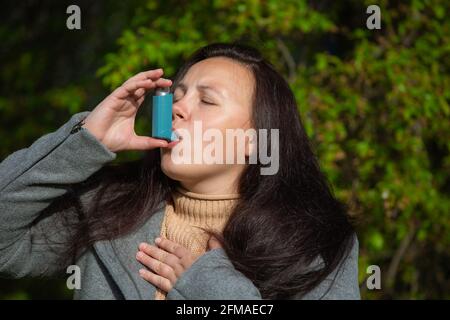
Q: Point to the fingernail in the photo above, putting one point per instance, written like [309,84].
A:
[141,271]
[157,240]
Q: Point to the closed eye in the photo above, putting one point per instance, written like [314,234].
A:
[203,101]
[208,102]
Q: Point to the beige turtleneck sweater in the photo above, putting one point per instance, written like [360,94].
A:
[186,212]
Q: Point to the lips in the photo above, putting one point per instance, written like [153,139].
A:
[176,138]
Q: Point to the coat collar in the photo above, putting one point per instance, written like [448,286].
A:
[119,258]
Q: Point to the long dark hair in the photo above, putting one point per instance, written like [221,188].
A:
[282,223]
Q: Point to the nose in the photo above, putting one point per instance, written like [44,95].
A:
[177,112]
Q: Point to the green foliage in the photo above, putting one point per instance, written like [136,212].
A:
[379,118]
[374,102]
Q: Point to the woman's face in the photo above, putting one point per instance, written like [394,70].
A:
[215,93]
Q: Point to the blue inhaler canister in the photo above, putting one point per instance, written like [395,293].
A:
[162,115]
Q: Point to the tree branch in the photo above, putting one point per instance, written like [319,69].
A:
[287,57]
[398,256]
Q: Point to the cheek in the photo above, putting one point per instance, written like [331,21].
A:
[232,120]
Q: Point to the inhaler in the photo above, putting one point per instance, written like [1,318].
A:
[162,115]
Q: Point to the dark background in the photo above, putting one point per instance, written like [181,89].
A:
[375,103]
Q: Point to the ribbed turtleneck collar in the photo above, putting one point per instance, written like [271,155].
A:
[203,196]
[198,207]
[187,212]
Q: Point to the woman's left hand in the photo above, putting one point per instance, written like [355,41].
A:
[166,261]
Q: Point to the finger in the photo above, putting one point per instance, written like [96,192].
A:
[166,257]
[162,82]
[146,143]
[132,86]
[139,93]
[171,260]
[140,100]
[138,87]
[135,87]
[149,74]
[172,247]
[185,257]
[138,97]
[152,74]
[158,281]
[156,253]
[157,266]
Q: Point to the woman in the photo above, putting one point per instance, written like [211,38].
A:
[225,231]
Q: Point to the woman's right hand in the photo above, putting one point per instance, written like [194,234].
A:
[112,121]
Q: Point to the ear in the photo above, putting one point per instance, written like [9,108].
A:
[213,243]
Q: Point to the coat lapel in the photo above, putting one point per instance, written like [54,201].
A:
[119,257]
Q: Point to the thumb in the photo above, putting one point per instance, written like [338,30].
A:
[146,143]
[213,243]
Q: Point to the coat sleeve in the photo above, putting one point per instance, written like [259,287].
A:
[31,181]
[213,277]
[342,283]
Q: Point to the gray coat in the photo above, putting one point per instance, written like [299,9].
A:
[32,178]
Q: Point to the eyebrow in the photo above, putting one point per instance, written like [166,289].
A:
[183,87]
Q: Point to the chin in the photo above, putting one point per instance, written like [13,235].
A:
[178,172]
[187,172]
[174,171]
